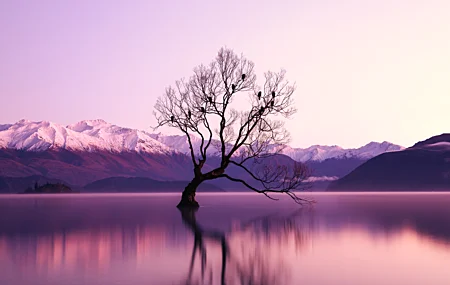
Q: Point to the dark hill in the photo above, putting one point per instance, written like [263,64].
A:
[48,188]
[333,166]
[436,139]
[19,184]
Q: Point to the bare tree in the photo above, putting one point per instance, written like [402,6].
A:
[242,137]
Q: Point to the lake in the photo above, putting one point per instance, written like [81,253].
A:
[355,238]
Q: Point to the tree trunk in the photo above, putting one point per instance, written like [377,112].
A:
[188,196]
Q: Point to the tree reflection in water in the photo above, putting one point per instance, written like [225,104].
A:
[252,253]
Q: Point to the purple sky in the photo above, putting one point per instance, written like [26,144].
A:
[365,70]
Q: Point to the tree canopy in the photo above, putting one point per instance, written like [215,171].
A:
[210,105]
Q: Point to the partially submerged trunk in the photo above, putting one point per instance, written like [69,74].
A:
[200,235]
[188,195]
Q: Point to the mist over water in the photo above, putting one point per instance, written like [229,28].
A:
[354,238]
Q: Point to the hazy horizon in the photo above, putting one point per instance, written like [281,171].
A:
[365,70]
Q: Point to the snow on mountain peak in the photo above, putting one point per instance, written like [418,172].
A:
[314,152]
[374,148]
[24,121]
[87,125]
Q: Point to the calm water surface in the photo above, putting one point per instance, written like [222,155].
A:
[232,239]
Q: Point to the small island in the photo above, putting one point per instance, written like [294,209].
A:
[48,188]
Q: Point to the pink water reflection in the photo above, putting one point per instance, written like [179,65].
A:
[336,243]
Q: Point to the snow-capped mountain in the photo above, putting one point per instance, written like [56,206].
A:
[92,135]
[321,153]
[87,135]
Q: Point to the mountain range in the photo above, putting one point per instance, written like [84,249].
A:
[92,150]
[98,135]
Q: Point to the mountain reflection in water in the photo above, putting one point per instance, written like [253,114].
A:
[233,239]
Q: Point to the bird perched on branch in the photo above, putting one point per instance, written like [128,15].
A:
[189,114]
[243,76]
[259,95]
[233,87]
[210,99]
[172,118]
[261,111]
[273,94]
